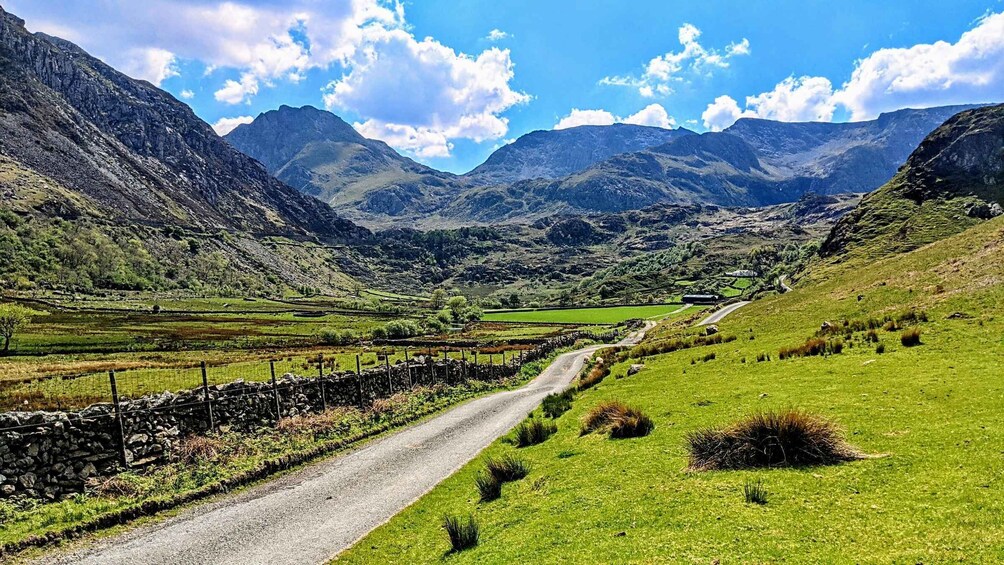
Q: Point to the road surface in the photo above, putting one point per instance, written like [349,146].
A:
[784,286]
[313,514]
[719,315]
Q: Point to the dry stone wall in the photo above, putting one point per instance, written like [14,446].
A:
[53,454]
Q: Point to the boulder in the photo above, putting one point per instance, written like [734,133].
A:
[634,369]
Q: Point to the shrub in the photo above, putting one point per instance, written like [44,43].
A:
[464,533]
[595,375]
[507,468]
[788,438]
[555,405]
[910,337]
[618,420]
[489,487]
[533,431]
[754,492]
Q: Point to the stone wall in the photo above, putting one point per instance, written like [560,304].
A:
[52,454]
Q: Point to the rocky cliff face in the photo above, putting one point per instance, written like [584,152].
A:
[559,153]
[955,178]
[753,163]
[131,152]
[321,155]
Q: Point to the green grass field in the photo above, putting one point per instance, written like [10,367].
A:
[611,315]
[930,415]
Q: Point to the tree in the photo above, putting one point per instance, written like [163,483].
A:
[438,299]
[13,318]
[457,305]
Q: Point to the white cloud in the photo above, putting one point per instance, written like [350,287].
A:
[652,115]
[722,113]
[796,100]
[187,94]
[420,141]
[151,64]
[661,72]
[234,92]
[415,95]
[224,126]
[496,35]
[924,75]
[578,117]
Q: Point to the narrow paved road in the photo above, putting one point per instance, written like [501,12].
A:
[311,515]
[784,286]
[719,315]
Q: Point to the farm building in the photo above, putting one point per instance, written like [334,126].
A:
[701,299]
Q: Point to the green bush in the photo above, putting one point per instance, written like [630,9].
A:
[533,431]
[555,405]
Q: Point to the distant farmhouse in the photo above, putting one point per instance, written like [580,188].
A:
[745,273]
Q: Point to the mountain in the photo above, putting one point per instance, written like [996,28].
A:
[842,157]
[136,174]
[753,163]
[132,150]
[559,153]
[953,180]
[318,153]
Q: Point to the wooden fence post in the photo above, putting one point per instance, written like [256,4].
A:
[205,394]
[390,380]
[275,392]
[320,381]
[407,367]
[118,419]
[446,364]
[359,382]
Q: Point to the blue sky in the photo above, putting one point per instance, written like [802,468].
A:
[447,82]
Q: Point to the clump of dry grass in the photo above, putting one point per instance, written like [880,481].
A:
[199,449]
[813,346]
[787,438]
[118,486]
[619,420]
[334,420]
[910,337]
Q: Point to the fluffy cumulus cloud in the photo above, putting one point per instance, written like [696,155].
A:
[418,95]
[187,94]
[224,126]
[651,115]
[496,35]
[151,64]
[661,72]
[970,70]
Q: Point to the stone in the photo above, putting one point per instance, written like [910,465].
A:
[8,490]
[634,369]
[28,480]
[711,330]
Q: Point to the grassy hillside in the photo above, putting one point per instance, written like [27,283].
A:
[931,413]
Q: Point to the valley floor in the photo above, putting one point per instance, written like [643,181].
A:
[928,414]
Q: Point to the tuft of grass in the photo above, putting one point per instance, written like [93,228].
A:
[555,405]
[910,337]
[489,487]
[507,468]
[464,533]
[619,420]
[880,348]
[533,431]
[199,449]
[754,492]
[787,438]
[813,346]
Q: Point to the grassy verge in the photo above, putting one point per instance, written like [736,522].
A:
[929,412]
[229,460]
[611,315]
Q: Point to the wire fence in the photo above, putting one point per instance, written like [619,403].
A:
[132,419]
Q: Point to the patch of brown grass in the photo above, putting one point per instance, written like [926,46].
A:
[618,420]
[787,438]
